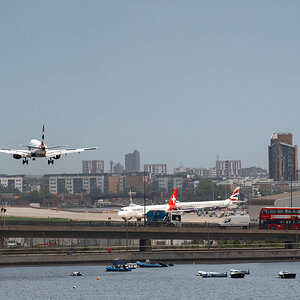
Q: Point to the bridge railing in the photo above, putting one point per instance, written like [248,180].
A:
[105,223]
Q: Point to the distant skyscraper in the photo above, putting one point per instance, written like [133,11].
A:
[92,166]
[283,157]
[132,161]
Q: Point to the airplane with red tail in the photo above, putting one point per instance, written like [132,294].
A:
[138,211]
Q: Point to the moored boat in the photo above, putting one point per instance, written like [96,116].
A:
[151,264]
[211,274]
[237,274]
[286,275]
[119,265]
[76,274]
[118,269]
[246,272]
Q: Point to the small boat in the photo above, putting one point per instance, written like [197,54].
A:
[246,272]
[118,269]
[131,265]
[76,274]
[237,274]
[287,275]
[151,264]
[119,265]
[211,274]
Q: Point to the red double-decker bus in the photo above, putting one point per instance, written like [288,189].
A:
[279,218]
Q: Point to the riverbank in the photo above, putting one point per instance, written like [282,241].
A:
[169,256]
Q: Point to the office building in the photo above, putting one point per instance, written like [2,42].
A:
[283,157]
[132,162]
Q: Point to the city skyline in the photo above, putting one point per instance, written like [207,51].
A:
[184,83]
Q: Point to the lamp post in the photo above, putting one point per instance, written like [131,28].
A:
[144,199]
[291,191]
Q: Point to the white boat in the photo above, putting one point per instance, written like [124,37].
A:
[286,275]
[76,274]
[237,274]
[246,272]
[211,274]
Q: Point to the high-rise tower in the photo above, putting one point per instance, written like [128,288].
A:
[283,157]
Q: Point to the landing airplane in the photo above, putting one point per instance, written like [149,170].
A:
[233,199]
[137,211]
[38,148]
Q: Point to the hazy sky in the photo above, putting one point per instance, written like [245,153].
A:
[180,81]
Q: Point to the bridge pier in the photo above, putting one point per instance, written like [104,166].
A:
[291,245]
[145,245]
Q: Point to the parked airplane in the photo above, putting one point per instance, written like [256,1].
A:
[233,199]
[137,211]
[38,148]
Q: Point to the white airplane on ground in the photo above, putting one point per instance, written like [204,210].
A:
[137,211]
[232,200]
[38,148]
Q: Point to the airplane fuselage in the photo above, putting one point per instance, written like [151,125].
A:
[138,211]
[203,204]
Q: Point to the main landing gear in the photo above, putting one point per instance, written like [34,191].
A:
[50,161]
[25,161]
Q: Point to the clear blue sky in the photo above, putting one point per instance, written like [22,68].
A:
[180,81]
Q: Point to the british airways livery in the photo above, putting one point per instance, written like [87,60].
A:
[37,148]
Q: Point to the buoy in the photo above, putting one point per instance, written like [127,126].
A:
[98,278]
[74,286]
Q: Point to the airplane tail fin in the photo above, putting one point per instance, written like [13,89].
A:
[43,137]
[172,202]
[235,195]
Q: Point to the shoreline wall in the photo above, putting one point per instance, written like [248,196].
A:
[209,256]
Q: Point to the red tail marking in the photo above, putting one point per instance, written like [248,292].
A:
[172,202]
[234,196]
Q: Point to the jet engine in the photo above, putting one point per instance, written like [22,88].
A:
[57,156]
[17,156]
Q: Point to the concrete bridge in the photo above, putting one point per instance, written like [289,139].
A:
[146,233]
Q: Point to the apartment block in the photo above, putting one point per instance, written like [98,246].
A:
[93,166]
[283,157]
[17,182]
[75,183]
[156,169]
[228,168]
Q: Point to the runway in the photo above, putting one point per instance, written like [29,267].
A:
[90,216]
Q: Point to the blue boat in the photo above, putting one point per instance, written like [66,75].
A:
[118,265]
[151,264]
[117,269]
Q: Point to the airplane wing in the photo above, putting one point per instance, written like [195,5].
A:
[53,153]
[22,153]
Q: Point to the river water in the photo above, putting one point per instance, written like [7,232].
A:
[178,282]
